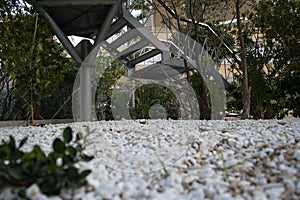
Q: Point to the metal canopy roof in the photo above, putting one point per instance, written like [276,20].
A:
[79,20]
[86,18]
[76,17]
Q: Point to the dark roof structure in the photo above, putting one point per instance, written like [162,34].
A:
[76,17]
[79,20]
[84,18]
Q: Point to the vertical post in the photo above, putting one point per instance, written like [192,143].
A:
[86,67]
[131,73]
[85,93]
[85,85]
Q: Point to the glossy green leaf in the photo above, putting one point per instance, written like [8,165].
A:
[86,158]
[68,134]
[78,137]
[12,142]
[72,173]
[16,173]
[58,146]
[71,151]
[85,173]
[22,142]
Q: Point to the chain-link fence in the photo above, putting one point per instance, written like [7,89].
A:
[14,106]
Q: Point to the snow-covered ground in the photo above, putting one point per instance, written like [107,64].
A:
[165,159]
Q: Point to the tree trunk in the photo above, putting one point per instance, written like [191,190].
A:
[204,104]
[246,89]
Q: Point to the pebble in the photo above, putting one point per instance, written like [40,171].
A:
[226,196]
[248,164]
[275,193]
[196,194]
[166,159]
[232,142]
[259,195]
[230,163]
[297,154]
[298,187]
[106,189]
[271,164]
[227,154]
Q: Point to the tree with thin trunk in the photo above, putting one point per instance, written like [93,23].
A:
[197,11]
[246,88]
[35,64]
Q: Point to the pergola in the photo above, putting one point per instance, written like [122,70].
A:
[90,19]
[96,20]
[99,20]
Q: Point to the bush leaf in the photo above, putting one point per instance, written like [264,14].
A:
[22,142]
[67,134]
[58,146]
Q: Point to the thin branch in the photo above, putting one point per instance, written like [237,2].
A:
[30,69]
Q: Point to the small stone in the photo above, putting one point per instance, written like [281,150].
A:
[297,154]
[274,193]
[259,195]
[190,162]
[220,149]
[187,181]
[262,179]
[298,187]
[54,198]
[79,193]
[196,194]
[281,158]
[272,185]
[227,154]
[33,192]
[169,193]
[117,197]
[209,189]
[160,189]
[271,164]
[262,155]
[245,143]
[231,162]
[226,196]
[232,142]
[290,185]
[106,189]
[176,181]
[90,196]
[246,195]
[288,170]
[220,163]
[219,186]
[7,193]
[248,164]
[129,190]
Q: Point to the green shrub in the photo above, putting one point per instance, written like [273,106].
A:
[50,172]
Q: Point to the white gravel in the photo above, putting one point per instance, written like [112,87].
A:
[165,159]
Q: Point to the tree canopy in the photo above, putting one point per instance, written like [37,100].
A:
[33,63]
[275,60]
